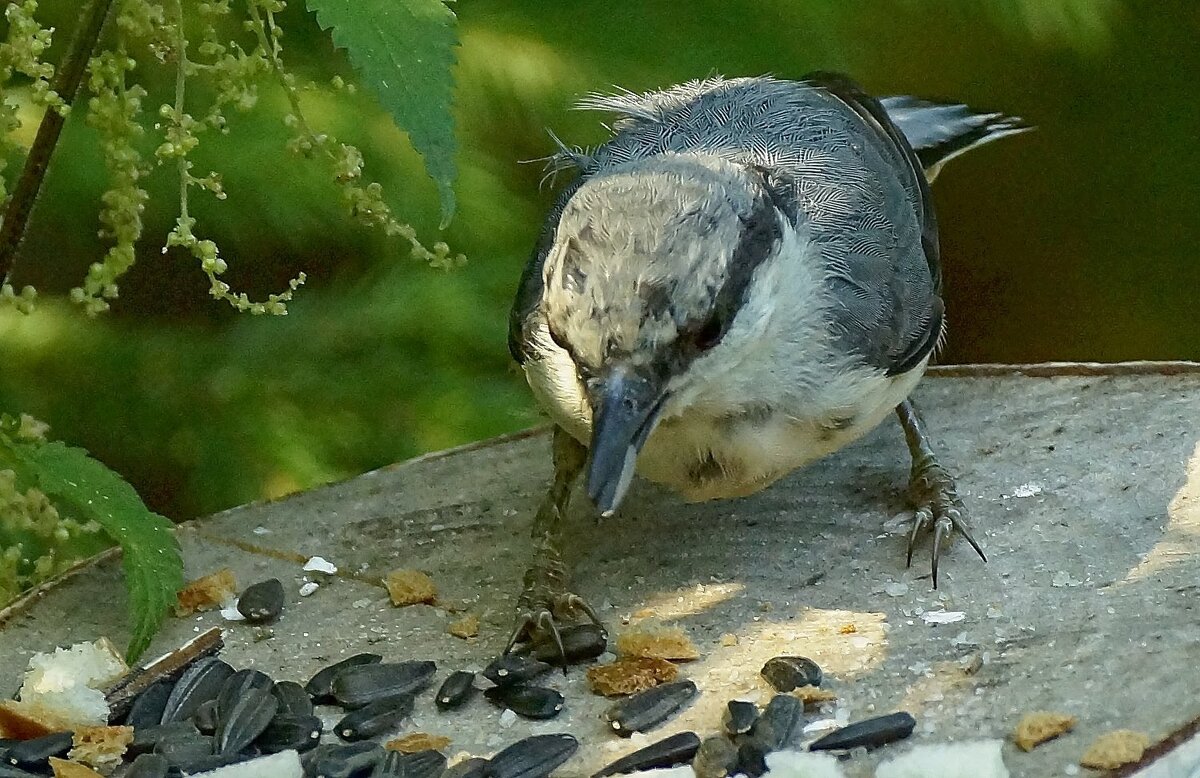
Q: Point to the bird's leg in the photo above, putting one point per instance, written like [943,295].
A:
[545,597]
[932,489]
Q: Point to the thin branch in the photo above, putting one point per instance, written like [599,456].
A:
[66,84]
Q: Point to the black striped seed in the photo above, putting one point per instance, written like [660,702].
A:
[533,757]
[740,717]
[677,749]
[786,673]
[455,690]
[512,669]
[355,687]
[286,731]
[531,702]
[244,709]
[262,602]
[320,686]
[293,699]
[646,710]
[375,718]
[870,733]
[579,642]
[201,682]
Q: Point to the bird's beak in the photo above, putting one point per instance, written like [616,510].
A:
[625,410]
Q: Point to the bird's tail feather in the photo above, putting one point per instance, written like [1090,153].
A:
[939,132]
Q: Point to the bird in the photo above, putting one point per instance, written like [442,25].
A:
[744,278]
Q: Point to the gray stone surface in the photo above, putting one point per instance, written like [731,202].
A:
[1085,492]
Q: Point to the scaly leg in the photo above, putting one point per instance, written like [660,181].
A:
[545,597]
[932,489]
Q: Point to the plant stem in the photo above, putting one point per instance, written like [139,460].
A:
[66,84]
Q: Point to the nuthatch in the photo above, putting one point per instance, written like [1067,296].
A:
[743,279]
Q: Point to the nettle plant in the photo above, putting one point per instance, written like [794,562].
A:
[57,504]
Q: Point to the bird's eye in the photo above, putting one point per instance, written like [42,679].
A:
[708,335]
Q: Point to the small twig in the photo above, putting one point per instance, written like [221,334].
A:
[120,696]
[66,84]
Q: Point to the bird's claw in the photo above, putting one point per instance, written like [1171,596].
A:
[538,621]
[939,510]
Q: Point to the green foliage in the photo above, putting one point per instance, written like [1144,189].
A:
[404,50]
[74,481]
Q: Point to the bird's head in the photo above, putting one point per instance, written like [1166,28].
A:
[650,265]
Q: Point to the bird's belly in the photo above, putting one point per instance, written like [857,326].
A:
[705,456]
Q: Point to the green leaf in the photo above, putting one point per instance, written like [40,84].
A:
[404,50]
[152,562]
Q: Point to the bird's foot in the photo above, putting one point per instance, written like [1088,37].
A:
[540,613]
[939,510]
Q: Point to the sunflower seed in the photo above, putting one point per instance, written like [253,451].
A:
[292,698]
[210,763]
[355,687]
[147,709]
[716,758]
[871,733]
[512,669]
[244,709]
[786,673]
[184,748]
[205,717]
[146,738]
[475,767]
[740,716]
[200,682]
[579,642]
[320,686]
[779,723]
[533,757]
[148,766]
[751,759]
[677,749]
[422,764]
[532,702]
[455,690]
[646,710]
[300,733]
[375,718]
[330,761]
[262,602]
[36,752]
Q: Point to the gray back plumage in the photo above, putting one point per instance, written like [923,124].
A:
[838,166]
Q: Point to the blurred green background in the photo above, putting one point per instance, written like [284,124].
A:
[1074,242]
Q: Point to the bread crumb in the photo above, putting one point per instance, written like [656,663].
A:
[100,747]
[1039,726]
[847,629]
[729,640]
[630,674]
[26,720]
[61,690]
[1116,748]
[417,741]
[811,695]
[466,627]
[666,643]
[64,769]
[410,587]
[207,593]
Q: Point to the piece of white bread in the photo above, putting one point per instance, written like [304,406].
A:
[62,690]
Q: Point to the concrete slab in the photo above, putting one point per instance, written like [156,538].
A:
[1085,490]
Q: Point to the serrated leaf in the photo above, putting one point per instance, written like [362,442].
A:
[404,51]
[152,562]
